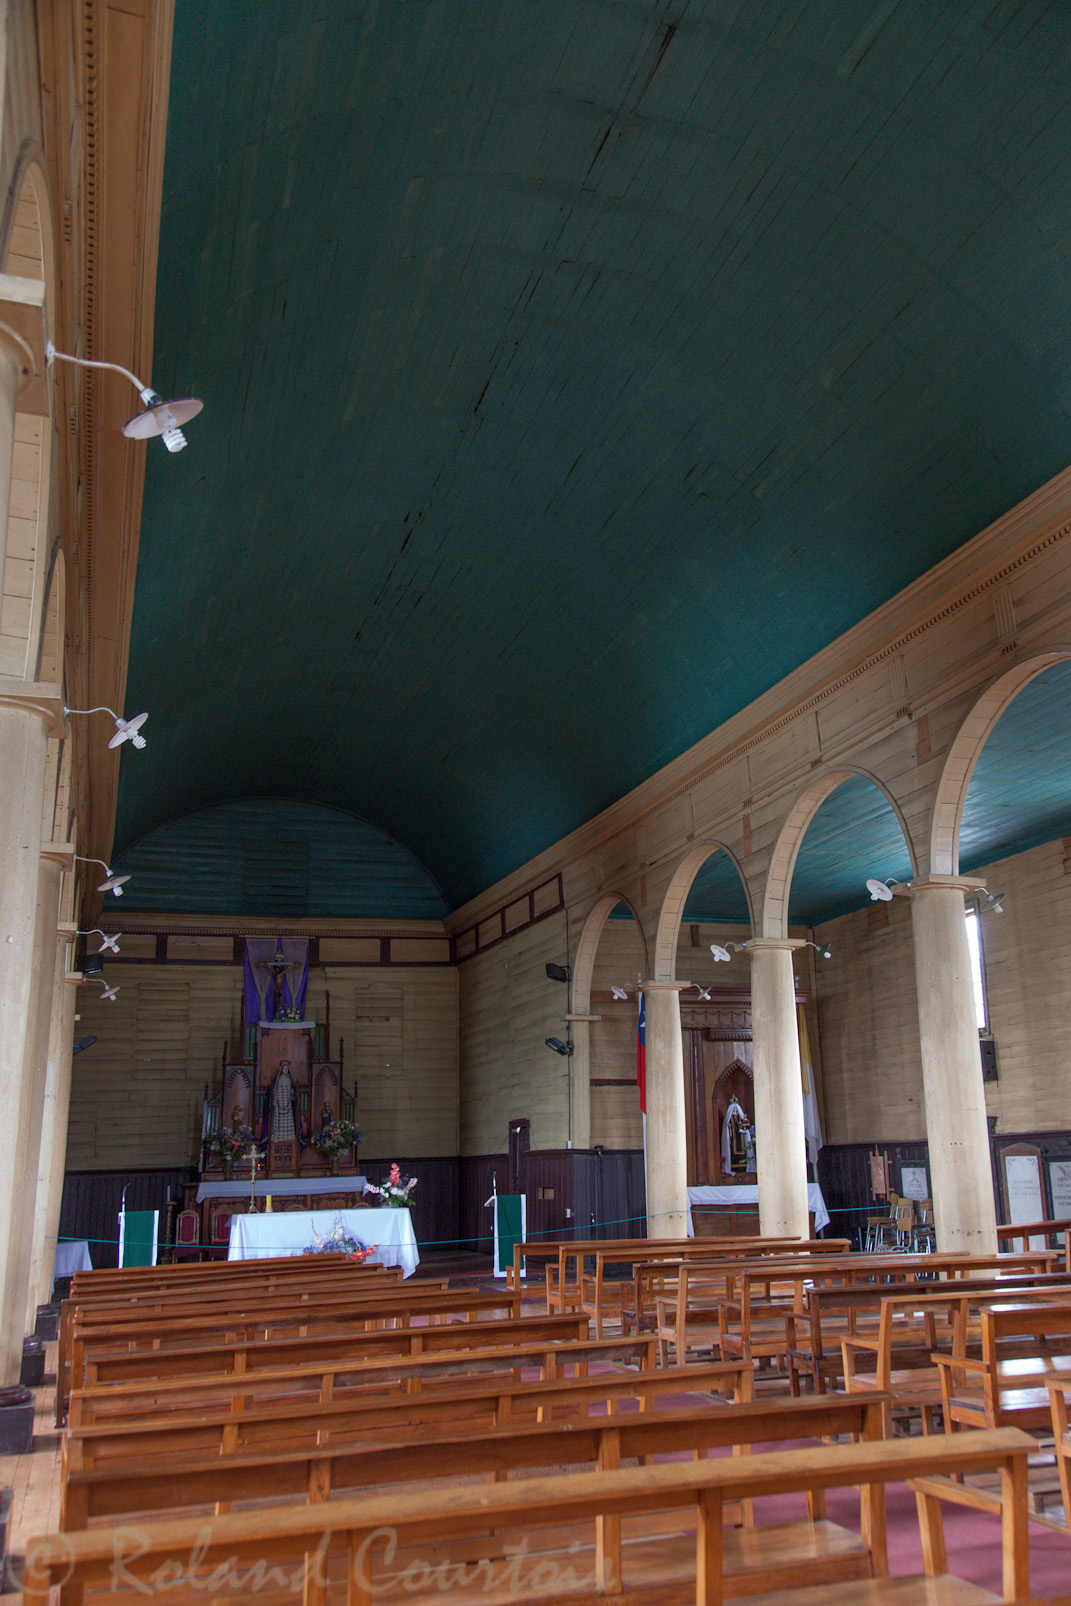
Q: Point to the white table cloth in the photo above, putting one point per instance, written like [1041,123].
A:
[748,1193]
[291,1232]
[72,1254]
[237,1189]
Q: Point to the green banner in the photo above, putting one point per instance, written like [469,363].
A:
[509,1229]
[137,1237]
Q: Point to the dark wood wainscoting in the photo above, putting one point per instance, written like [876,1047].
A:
[844,1173]
[92,1199]
[597,1193]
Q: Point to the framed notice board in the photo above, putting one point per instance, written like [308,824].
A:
[1024,1189]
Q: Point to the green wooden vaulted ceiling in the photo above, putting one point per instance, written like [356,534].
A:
[573,370]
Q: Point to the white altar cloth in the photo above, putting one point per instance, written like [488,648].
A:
[290,1232]
[748,1193]
[72,1254]
[237,1189]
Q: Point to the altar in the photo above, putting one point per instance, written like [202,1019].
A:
[262,1237]
[748,1194]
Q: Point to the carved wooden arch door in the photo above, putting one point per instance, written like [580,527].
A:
[717,1041]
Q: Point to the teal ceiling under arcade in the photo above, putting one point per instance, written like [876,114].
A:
[572,372]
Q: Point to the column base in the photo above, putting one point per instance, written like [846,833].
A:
[47,1324]
[16,1420]
[32,1373]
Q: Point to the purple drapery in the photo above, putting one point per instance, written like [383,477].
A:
[261,963]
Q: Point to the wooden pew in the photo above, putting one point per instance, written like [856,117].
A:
[252,1355]
[322,1379]
[749,1325]
[1023,1345]
[228,1427]
[308,1279]
[134,1330]
[623,1251]
[602,1296]
[856,1314]
[365,1542]
[1021,1233]
[159,1483]
[100,1334]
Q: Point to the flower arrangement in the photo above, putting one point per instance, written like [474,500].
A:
[339,1242]
[227,1145]
[291,1013]
[393,1191]
[334,1139]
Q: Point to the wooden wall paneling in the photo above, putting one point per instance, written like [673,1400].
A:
[868,1028]
[507,1008]
[137,1092]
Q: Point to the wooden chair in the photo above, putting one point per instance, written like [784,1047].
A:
[187,1236]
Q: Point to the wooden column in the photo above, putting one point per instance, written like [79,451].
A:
[55,857]
[580,1080]
[53,1147]
[9,384]
[28,715]
[780,1140]
[667,1142]
[957,1132]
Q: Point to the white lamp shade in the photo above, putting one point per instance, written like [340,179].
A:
[879,892]
[162,416]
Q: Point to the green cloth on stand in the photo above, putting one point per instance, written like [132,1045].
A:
[137,1237]
[509,1229]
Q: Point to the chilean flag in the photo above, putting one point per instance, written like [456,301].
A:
[641,1057]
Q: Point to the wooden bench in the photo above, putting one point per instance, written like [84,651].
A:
[334,1278]
[605,1297]
[831,1315]
[345,1375]
[250,1355]
[234,1333]
[1023,1345]
[459,1542]
[226,1426]
[125,1487]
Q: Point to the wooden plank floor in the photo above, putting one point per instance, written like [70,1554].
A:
[34,1478]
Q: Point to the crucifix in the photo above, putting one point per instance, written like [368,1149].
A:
[252,1154]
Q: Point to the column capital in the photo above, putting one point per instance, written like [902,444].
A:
[946,883]
[39,697]
[61,853]
[22,338]
[664,986]
[568,1018]
[781,944]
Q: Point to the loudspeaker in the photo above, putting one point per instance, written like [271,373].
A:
[988,1049]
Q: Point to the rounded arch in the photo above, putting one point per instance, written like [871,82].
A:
[794,828]
[966,749]
[26,225]
[588,947]
[672,910]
